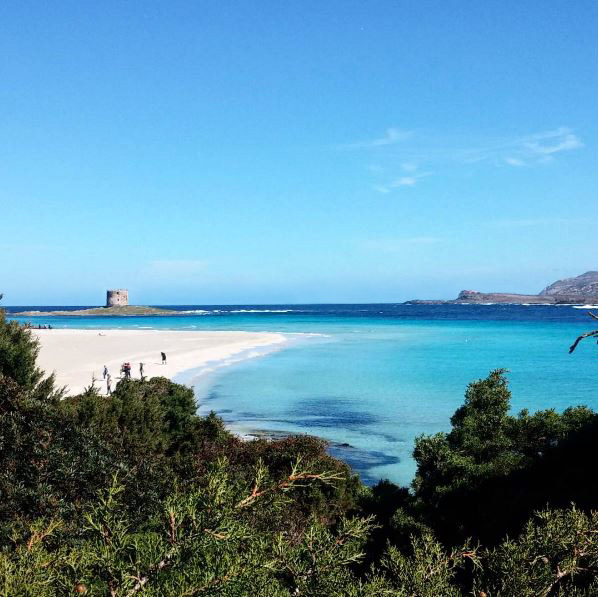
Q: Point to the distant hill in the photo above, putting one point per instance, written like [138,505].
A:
[584,285]
[582,289]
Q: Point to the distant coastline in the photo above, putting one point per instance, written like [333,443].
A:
[582,289]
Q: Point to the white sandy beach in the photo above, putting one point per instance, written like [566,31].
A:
[78,355]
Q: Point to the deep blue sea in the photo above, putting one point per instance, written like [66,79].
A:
[370,378]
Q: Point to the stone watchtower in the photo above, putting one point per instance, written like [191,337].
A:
[117,298]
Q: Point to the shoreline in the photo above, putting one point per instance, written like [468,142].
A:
[73,355]
[77,356]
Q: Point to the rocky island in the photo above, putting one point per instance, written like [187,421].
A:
[569,291]
[105,311]
[117,303]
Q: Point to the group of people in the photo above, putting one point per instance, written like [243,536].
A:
[39,326]
[125,373]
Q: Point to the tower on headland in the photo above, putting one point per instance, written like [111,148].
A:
[117,298]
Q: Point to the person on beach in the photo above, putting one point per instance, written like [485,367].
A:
[126,370]
[163,358]
[105,371]
[108,384]
[141,370]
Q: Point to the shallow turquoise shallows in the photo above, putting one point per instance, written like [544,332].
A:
[370,378]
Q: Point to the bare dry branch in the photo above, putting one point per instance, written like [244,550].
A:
[594,333]
[586,335]
[289,482]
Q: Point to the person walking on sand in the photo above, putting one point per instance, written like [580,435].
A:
[163,358]
[108,384]
[141,370]
[105,371]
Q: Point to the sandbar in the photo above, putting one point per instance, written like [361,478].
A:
[78,356]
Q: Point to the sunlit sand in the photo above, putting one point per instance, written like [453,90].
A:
[78,356]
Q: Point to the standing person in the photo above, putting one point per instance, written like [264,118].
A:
[105,371]
[108,384]
[163,358]
[141,370]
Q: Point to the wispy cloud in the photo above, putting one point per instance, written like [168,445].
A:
[403,181]
[402,153]
[407,180]
[541,147]
[391,136]
[514,161]
[525,150]
[562,139]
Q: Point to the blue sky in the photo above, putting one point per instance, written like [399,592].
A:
[243,152]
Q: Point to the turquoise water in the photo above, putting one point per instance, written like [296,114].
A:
[370,378]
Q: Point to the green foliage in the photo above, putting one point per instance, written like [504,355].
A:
[487,476]
[152,428]
[18,353]
[429,571]
[556,554]
[478,445]
[325,502]
[481,425]
[142,416]
[201,543]
[48,464]
[136,494]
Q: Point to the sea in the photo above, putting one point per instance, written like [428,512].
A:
[371,378]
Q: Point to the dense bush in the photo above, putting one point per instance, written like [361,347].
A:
[486,477]
[136,494]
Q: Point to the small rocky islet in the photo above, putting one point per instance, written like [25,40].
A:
[116,310]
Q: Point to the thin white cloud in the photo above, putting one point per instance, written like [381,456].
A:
[407,152]
[391,136]
[562,142]
[402,181]
[538,148]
